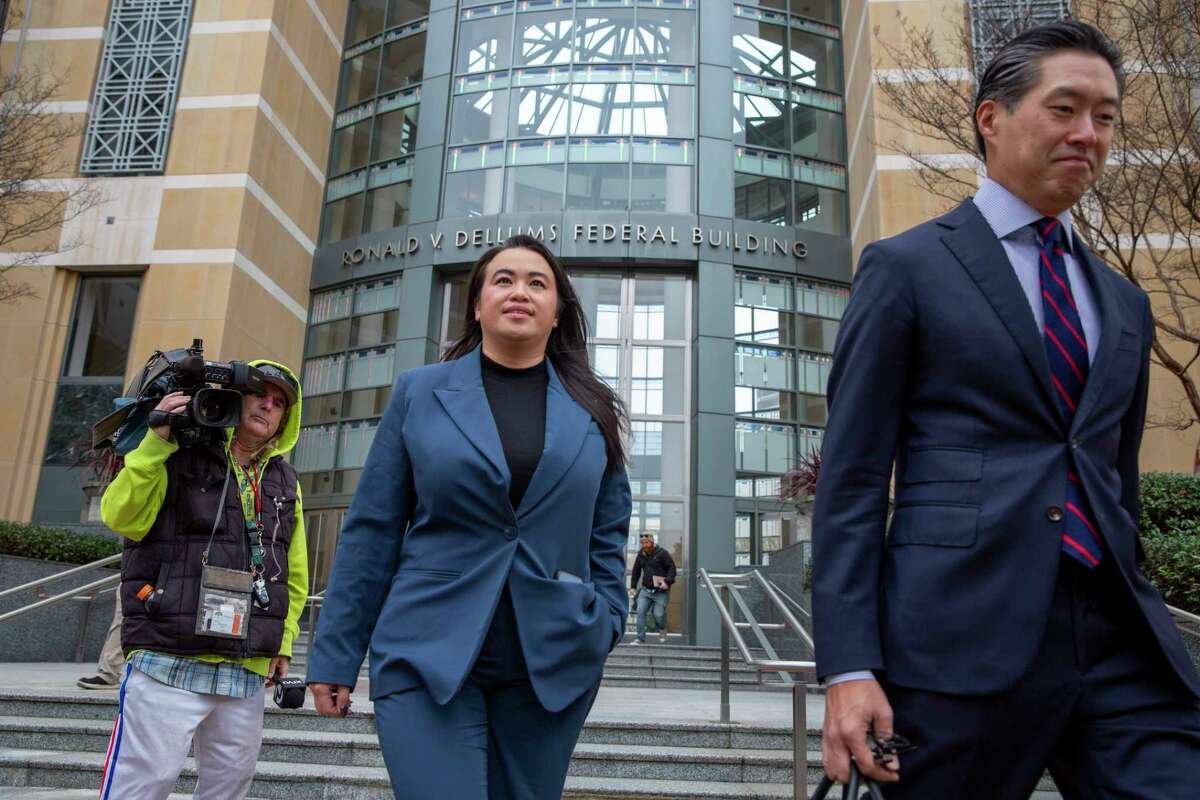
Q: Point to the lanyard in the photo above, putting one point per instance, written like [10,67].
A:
[252,512]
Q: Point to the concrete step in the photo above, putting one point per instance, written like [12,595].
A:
[640,679]
[617,755]
[643,655]
[68,774]
[607,739]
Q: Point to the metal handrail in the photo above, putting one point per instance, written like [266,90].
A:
[66,573]
[790,600]
[99,585]
[731,630]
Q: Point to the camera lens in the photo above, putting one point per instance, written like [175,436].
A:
[209,409]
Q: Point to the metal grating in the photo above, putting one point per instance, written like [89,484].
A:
[134,103]
[995,22]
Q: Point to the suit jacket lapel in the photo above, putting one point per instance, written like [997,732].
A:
[1110,333]
[467,404]
[976,247]
[566,427]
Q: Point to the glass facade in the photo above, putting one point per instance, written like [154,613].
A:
[586,121]
[784,331]
[573,105]
[347,378]
[378,113]
[789,126]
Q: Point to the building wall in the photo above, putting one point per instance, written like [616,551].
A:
[223,238]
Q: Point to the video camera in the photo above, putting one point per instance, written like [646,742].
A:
[184,370]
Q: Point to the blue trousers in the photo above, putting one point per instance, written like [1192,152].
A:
[656,603]
[1099,707]
[492,741]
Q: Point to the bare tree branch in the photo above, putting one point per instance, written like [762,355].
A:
[35,148]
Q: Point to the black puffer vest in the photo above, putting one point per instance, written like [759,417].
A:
[178,538]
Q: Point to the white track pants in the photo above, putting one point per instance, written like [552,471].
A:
[156,724]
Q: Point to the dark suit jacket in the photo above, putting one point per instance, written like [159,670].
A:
[431,538]
[940,368]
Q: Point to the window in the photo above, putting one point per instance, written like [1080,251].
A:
[534,188]
[403,63]
[994,22]
[347,379]
[387,207]
[761,199]
[133,105]
[102,327]
[402,11]
[343,219]
[666,36]
[93,374]
[395,133]
[365,20]
[659,187]
[480,117]
[604,36]
[544,39]
[821,209]
[598,186]
[759,121]
[817,134]
[350,148]
[474,193]
[483,46]
[609,91]
[816,60]
[759,48]
[539,111]
[784,330]
[359,78]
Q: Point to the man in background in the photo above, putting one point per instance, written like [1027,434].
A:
[654,570]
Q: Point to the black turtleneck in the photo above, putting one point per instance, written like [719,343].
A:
[518,401]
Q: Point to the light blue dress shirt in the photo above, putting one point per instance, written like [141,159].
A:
[1009,217]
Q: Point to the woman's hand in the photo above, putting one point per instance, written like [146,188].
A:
[171,404]
[331,700]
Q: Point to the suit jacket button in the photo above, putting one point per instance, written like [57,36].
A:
[1054,514]
[510,534]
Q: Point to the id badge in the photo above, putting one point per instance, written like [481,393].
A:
[224,608]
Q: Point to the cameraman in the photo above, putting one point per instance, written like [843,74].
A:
[191,513]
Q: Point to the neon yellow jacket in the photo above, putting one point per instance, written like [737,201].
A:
[132,501]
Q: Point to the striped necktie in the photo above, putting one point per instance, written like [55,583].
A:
[1066,347]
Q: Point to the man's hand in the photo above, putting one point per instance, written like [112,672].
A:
[330,700]
[171,403]
[278,669]
[632,593]
[851,709]
[659,582]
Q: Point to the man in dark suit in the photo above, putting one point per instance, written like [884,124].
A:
[1002,370]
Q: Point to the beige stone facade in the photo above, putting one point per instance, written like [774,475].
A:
[222,238]
[885,196]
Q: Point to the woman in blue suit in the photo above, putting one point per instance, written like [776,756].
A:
[482,560]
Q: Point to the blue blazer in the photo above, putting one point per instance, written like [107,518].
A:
[941,369]
[431,537]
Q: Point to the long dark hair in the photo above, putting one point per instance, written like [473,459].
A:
[566,348]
